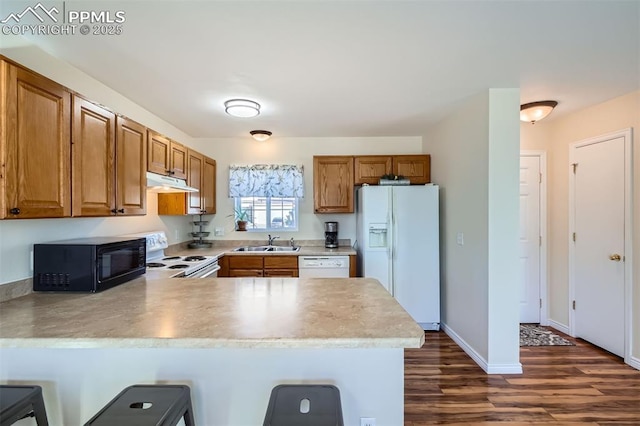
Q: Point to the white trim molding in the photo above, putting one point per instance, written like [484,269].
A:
[479,359]
[560,327]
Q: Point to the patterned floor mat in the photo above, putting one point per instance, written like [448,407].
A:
[534,335]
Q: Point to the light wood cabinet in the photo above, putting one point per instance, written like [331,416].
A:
[416,168]
[109,176]
[178,160]
[131,171]
[165,156]
[333,184]
[93,156]
[246,266]
[201,174]
[258,266]
[208,189]
[280,266]
[158,153]
[369,168]
[35,144]
[195,168]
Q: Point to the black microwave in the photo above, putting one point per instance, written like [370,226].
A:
[87,264]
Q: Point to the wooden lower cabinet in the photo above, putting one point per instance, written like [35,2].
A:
[258,266]
[281,266]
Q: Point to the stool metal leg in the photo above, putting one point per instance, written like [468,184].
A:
[39,411]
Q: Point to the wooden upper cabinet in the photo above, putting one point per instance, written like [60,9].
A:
[158,153]
[178,160]
[416,168]
[35,143]
[208,189]
[94,136]
[131,170]
[370,168]
[195,168]
[333,184]
[109,162]
[201,174]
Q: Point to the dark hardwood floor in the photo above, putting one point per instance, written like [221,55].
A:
[566,385]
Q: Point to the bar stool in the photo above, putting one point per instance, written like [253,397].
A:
[147,405]
[309,405]
[18,402]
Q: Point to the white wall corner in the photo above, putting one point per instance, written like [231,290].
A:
[466,347]
[559,326]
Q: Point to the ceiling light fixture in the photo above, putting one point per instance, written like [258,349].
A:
[536,111]
[260,135]
[242,108]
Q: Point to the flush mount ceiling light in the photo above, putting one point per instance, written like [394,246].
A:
[536,111]
[242,108]
[260,135]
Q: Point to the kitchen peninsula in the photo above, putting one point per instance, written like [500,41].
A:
[231,340]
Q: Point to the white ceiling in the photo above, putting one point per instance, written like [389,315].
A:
[355,68]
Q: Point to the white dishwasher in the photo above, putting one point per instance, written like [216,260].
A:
[323,266]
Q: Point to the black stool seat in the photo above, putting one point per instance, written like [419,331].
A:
[308,405]
[18,402]
[147,405]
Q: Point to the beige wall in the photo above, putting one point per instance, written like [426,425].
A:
[475,161]
[291,151]
[555,136]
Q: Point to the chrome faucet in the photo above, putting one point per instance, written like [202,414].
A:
[271,239]
[292,243]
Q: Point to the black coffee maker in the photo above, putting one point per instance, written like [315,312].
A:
[331,234]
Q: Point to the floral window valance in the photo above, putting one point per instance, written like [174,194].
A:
[266,180]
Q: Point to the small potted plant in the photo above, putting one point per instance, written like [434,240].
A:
[242,217]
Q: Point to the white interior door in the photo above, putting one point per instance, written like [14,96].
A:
[530,299]
[599,218]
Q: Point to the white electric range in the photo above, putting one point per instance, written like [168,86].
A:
[192,266]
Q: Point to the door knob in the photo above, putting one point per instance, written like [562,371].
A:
[615,257]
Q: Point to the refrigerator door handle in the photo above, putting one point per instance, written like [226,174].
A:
[391,244]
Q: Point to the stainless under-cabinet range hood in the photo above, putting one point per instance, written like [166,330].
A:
[159,183]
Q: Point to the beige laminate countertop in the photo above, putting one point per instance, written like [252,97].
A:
[153,311]
[220,251]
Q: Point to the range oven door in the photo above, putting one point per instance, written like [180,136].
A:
[208,271]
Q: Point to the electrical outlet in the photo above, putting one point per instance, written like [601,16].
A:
[218,232]
[460,238]
[367,421]
[177,235]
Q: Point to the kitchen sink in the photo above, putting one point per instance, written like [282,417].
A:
[282,248]
[252,248]
[267,248]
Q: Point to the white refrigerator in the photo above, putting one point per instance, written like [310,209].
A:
[398,243]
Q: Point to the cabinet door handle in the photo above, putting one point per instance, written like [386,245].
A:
[120,210]
[14,210]
[171,172]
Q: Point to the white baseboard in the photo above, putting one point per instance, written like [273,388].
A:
[560,327]
[488,368]
[633,362]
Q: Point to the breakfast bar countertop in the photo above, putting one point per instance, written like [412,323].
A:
[155,312]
